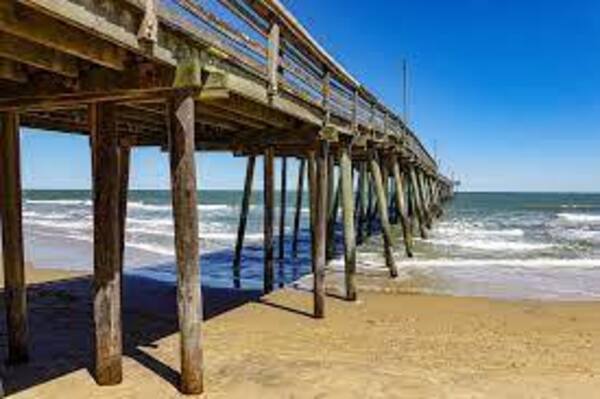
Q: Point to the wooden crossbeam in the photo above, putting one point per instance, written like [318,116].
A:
[12,71]
[25,52]
[43,30]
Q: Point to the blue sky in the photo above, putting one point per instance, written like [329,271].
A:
[509,91]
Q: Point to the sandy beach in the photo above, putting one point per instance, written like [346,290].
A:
[387,345]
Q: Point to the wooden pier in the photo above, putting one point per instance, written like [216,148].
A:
[191,76]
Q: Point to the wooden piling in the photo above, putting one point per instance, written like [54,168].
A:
[348,215]
[107,243]
[124,165]
[269,215]
[298,214]
[363,187]
[11,207]
[331,207]
[370,213]
[418,203]
[401,209]
[425,205]
[239,245]
[185,212]
[282,208]
[313,193]
[388,240]
[320,229]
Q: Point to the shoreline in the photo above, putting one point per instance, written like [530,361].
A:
[388,344]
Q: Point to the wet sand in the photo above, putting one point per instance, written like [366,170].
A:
[388,345]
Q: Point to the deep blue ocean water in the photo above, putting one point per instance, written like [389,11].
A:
[507,245]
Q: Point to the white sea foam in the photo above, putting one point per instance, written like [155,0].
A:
[581,218]
[59,202]
[520,263]
[478,232]
[492,245]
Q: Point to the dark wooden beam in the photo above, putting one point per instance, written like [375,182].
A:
[34,55]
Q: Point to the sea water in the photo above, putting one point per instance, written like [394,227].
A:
[501,245]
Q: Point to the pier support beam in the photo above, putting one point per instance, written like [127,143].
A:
[426,205]
[331,207]
[269,216]
[239,245]
[348,215]
[320,228]
[185,213]
[107,243]
[298,214]
[15,287]
[312,188]
[401,209]
[417,203]
[363,195]
[282,208]
[388,240]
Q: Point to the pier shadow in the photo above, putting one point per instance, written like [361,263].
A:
[62,333]
[61,313]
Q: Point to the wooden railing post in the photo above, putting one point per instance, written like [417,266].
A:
[273,59]
[326,92]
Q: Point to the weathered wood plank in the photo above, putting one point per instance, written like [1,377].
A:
[239,244]
[107,244]
[269,216]
[15,287]
[185,213]
[12,71]
[47,59]
[48,32]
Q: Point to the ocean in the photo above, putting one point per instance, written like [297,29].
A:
[498,245]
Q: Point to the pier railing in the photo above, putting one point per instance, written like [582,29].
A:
[268,43]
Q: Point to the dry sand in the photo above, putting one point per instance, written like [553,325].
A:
[389,345]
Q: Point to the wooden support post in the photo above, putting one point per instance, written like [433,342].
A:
[269,216]
[107,243]
[124,165]
[363,188]
[15,286]
[348,215]
[330,208]
[273,60]
[401,209]
[418,203]
[185,212]
[312,186]
[239,245]
[388,240]
[299,196]
[370,213]
[282,208]
[425,205]
[319,259]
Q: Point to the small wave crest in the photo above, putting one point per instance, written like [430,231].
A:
[581,218]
